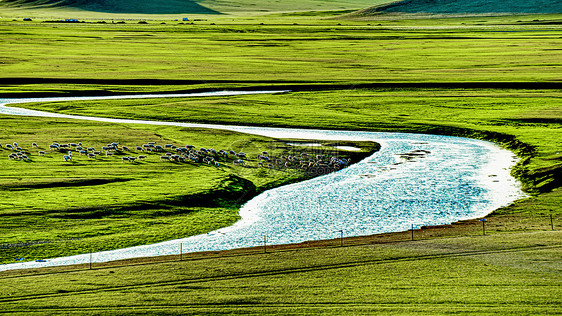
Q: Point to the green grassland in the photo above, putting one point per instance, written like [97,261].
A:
[54,208]
[516,270]
[239,52]
[110,58]
[509,275]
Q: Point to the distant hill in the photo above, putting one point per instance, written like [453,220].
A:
[194,6]
[117,6]
[468,6]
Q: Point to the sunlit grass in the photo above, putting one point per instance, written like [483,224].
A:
[505,274]
[51,207]
[234,55]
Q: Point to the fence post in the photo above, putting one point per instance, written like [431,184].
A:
[181,251]
[90,260]
[341,238]
[483,226]
[551,222]
[412,232]
[264,244]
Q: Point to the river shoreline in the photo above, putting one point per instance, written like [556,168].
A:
[464,228]
[310,134]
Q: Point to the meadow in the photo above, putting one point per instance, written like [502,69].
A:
[488,77]
[509,274]
[241,52]
[51,207]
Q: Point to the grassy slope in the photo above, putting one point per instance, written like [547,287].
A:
[510,274]
[261,6]
[112,6]
[472,6]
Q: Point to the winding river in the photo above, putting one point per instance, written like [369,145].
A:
[452,179]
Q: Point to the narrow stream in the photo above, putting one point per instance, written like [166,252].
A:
[415,179]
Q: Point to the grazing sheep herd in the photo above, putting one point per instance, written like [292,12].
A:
[319,164]
[316,164]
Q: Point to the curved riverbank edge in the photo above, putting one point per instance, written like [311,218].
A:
[534,182]
[459,229]
[508,142]
[236,198]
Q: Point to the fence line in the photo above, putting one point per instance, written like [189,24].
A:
[458,229]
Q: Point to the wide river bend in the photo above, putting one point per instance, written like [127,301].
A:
[454,179]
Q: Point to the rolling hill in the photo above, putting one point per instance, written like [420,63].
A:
[192,6]
[116,6]
[232,6]
[469,6]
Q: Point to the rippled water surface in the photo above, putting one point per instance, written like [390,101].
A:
[413,180]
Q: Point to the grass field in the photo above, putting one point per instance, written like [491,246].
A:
[55,208]
[507,274]
[244,53]
[516,270]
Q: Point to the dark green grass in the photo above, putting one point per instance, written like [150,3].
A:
[111,6]
[508,274]
[49,207]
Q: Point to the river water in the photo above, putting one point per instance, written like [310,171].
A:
[443,180]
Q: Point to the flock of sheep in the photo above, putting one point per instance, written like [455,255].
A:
[182,154]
